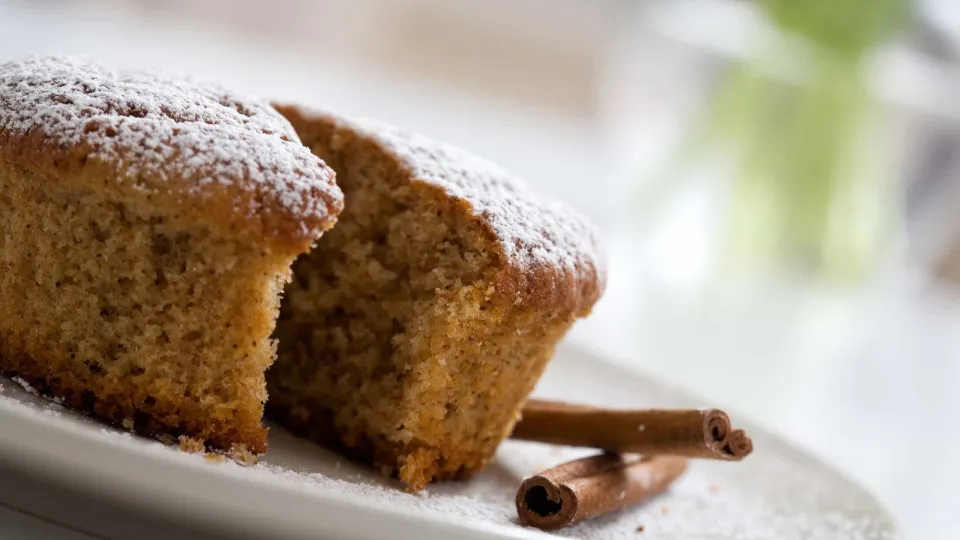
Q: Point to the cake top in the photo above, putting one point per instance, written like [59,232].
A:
[533,231]
[554,252]
[195,147]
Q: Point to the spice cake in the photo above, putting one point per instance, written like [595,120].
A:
[147,227]
[412,333]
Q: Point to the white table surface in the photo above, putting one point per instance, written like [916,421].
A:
[869,383]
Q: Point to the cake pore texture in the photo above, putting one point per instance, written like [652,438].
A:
[412,333]
[147,229]
[147,226]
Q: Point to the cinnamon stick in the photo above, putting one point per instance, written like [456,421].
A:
[593,486]
[694,433]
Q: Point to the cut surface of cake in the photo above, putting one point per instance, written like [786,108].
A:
[147,228]
[412,333]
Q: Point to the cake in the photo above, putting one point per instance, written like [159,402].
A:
[412,333]
[147,228]
[150,226]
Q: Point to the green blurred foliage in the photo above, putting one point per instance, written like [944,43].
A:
[799,198]
[849,28]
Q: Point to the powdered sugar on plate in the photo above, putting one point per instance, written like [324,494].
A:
[777,493]
[171,137]
[26,386]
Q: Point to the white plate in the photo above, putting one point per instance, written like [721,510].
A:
[302,491]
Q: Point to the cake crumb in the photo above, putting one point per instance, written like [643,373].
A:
[243,456]
[664,510]
[640,528]
[127,424]
[190,444]
[214,457]
[404,435]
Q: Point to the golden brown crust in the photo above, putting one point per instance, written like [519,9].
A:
[550,257]
[120,410]
[193,152]
[420,466]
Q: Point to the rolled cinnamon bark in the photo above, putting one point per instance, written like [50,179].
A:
[694,433]
[593,486]
[738,444]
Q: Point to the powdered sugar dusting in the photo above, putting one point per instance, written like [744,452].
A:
[533,231]
[168,136]
[26,386]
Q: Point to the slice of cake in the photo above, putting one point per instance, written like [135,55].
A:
[412,333]
[147,227]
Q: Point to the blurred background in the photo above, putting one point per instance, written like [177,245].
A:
[778,182]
